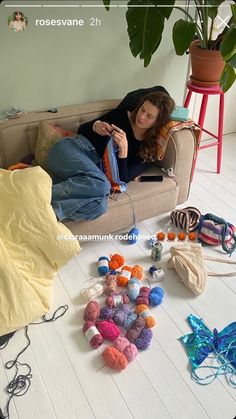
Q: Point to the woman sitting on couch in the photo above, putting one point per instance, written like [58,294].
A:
[82,189]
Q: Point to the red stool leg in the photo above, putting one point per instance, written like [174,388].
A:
[220,132]
[200,123]
[187,100]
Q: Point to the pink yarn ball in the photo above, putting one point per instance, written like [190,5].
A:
[108,330]
[143,297]
[130,352]
[116,300]
[92,334]
[92,311]
[121,343]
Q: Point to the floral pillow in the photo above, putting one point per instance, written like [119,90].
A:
[48,135]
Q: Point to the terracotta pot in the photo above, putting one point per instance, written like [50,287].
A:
[207,65]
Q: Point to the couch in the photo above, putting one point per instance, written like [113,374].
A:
[18,138]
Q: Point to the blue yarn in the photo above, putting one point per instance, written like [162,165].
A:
[133,289]
[156,296]
[133,235]
[113,272]
[152,269]
[103,270]
[129,321]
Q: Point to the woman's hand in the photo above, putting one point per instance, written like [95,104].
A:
[121,140]
[102,128]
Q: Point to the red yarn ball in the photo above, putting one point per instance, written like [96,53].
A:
[108,330]
[92,311]
[92,334]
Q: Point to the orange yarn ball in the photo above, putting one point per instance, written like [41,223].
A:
[192,236]
[137,272]
[181,236]
[171,236]
[116,261]
[143,311]
[114,359]
[161,236]
[122,279]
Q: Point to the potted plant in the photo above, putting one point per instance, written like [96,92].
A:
[146,23]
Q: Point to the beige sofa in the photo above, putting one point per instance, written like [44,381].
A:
[18,138]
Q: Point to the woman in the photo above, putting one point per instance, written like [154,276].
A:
[82,190]
[18,23]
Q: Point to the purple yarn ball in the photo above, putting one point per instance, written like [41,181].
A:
[144,339]
[119,317]
[106,313]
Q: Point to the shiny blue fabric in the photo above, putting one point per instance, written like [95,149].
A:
[202,342]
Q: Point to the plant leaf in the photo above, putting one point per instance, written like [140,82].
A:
[233,10]
[228,77]
[164,11]
[212,10]
[106,4]
[145,27]
[183,34]
[228,45]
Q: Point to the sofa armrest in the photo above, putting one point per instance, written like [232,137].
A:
[179,155]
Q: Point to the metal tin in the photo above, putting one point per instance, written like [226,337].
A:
[156,251]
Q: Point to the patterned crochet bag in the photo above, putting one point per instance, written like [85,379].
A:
[215,231]
[186,218]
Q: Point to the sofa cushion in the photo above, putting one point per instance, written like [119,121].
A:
[48,135]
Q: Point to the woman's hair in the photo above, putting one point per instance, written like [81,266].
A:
[18,13]
[165,104]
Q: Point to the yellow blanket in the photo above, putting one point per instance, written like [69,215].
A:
[30,249]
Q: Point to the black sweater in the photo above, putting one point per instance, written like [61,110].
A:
[132,165]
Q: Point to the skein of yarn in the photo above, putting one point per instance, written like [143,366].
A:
[108,330]
[143,311]
[123,278]
[92,334]
[120,315]
[116,261]
[133,333]
[130,320]
[144,339]
[137,272]
[92,292]
[114,358]
[156,296]
[106,313]
[103,265]
[116,300]
[128,349]
[143,297]
[133,289]
[92,311]
[133,235]
[110,285]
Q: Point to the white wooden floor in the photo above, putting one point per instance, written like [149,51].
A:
[67,380]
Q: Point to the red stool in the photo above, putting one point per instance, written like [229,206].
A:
[207,91]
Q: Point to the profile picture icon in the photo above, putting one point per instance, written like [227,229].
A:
[17,22]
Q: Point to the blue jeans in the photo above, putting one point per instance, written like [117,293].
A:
[83,189]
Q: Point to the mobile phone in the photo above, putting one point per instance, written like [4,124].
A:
[151,178]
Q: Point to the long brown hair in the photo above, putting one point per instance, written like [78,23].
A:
[165,104]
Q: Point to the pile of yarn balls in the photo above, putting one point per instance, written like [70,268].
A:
[125,319]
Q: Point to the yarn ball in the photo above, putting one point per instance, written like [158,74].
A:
[181,236]
[116,300]
[92,292]
[119,317]
[116,261]
[144,339]
[130,320]
[143,311]
[143,297]
[137,272]
[106,313]
[114,359]
[161,236]
[92,311]
[171,236]
[133,289]
[128,349]
[152,269]
[103,267]
[121,343]
[110,285]
[135,330]
[92,334]
[192,236]
[123,278]
[156,296]
[131,352]
[108,330]
[133,236]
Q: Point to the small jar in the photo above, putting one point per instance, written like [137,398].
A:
[156,251]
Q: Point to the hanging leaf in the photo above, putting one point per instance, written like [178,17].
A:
[183,34]
[107,4]
[228,45]
[228,77]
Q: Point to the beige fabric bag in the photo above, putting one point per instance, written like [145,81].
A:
[188,262]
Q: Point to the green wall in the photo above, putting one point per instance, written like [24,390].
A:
[45,67]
